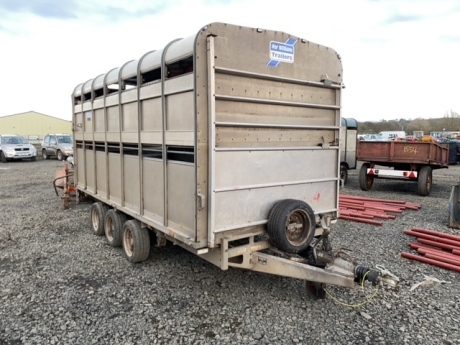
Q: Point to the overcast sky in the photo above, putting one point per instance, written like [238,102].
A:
[401,58]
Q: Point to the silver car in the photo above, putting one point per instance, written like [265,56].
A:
[15,147]
[59,145]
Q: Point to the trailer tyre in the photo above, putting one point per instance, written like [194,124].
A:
[273,209]
[425,178]
[136,241]
[291,225]
[365,181]
[98,212]
[113,226]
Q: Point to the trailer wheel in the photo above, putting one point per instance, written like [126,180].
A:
[98,211]
[425,181]
[365,181]
[136,241]
[113,226]
[343,173]
[291,225]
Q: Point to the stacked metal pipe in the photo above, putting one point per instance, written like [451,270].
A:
[436,248]
[367,210]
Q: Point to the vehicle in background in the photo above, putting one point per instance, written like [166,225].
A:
[445,135]
[372,137]
[59,145]
[16,147]
[418,134]
[348,135]
[413,161]
[429,138]
[392,135]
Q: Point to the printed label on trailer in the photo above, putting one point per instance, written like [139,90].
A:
[281,52]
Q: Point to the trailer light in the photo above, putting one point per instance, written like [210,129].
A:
[409,174]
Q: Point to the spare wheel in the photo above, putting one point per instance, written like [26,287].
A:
[291,225]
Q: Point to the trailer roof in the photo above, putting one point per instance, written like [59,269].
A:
[173,51]
[176,50]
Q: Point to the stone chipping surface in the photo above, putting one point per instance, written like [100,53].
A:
[60,284]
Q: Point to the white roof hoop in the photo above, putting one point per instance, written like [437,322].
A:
[141,61]
[120,71]
[98,82]
[111,77]
[129,70]
[77,91]
[150,61]
[87,87]
[180,49]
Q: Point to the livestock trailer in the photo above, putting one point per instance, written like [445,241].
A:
[348,140]
[225,143]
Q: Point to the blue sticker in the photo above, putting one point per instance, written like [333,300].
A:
[281,52]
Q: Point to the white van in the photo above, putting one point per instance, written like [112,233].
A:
[392,135]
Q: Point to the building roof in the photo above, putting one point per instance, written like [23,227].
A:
[33,112]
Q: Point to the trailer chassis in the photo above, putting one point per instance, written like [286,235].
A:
[250,249]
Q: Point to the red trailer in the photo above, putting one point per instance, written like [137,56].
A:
[410,161]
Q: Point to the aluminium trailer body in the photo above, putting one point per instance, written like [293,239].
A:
[213,142]
[408,161]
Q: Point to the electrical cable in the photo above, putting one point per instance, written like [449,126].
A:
[354,305]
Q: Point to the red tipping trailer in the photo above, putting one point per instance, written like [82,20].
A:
[413,161]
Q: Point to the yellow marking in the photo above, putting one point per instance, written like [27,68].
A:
[410,149]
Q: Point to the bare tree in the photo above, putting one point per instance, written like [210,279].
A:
[450,122]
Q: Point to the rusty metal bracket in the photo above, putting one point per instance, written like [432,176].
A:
[62,181]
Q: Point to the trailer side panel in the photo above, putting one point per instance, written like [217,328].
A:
[394,152]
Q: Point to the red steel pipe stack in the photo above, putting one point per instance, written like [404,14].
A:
[436,248]
[365,210]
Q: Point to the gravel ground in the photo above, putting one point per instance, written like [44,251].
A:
[60,284]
